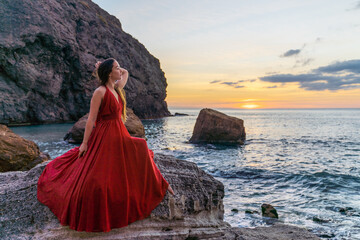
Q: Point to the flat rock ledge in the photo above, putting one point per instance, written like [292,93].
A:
[195,212]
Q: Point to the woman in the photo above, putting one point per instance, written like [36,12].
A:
[111,180]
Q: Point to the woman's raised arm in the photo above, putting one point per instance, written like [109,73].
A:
[123,80]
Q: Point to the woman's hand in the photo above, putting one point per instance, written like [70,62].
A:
[123,71]
[82,149]
[97,64]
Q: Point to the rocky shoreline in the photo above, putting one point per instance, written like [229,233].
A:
[195,212]
[47,55]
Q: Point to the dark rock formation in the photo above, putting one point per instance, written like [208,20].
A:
[195,212]
[269,211]
[133,124]
[320,220]
[251,212]
[17,153]
[215,127]
[47,54]
[76,133]
[181,114]
[349,211]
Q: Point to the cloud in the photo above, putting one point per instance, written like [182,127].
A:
[215,81]
[307,61]
[248,80]
[286,78]
[336,76]
[258,101]
[271,73]
[356,7]
[291,52]
[229,83]
[272,86]
[345,66]
[234,84]
[303,62]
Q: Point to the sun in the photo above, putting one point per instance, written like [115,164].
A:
[250,106]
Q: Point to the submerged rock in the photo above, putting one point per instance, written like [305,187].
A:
[195,212]
[269,211]
[17,153]
[349,211]
[251,211]
[133,124]
[215,127]
[320,220]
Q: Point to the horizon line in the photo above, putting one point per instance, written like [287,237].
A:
[256,108]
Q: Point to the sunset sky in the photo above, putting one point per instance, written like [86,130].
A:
[250,54]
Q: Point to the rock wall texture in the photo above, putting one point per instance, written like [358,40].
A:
[48,49]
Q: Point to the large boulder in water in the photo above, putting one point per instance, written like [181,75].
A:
[195,212]
[133,124]
[17,153]
[47,54]
[216,127]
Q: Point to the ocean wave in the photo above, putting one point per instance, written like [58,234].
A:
[322,181]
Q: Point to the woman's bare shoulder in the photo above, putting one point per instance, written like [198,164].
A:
[100,91]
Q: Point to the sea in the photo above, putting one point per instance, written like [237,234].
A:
[304,162]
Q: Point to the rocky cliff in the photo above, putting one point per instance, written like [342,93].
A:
[48,49]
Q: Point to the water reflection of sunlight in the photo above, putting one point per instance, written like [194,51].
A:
[169,135]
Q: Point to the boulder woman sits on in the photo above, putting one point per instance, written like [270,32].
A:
[111,180]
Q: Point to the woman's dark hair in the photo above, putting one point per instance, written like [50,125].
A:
[102,74]
[104,70]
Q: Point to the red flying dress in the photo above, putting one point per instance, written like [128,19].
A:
[115,183]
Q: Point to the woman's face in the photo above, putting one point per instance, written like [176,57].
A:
[115,72]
